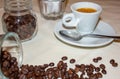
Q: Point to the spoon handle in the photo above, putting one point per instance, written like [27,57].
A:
[104,36]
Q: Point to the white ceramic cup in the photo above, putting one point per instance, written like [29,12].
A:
[84,22]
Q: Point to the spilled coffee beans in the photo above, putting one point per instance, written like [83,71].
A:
[60,70]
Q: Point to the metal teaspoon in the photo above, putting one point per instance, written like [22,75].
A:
[77,36]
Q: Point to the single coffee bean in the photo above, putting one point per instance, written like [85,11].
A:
[77,65]
[95,60]
[64,58]
[91,65]
[46,65]
[6,73]
[6,64]
[104,71]
[115,64]
[77,69]
[93,76]
[82,67]
[22,76]
[99,58]
[72,61]
[13,59]
[24,71]
[29,75]
[99,75]
[97,69]
[51,64]
[112,61]
[102,66]
[5,56]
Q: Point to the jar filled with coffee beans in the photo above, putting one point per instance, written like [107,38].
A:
[10,53]
[19,18]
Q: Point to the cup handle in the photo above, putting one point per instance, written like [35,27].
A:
[69,20]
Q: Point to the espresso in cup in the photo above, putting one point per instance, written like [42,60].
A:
[86,10]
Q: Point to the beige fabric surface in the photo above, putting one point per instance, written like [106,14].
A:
[45,47]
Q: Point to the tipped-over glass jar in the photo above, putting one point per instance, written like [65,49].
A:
[19,18]
[10,53]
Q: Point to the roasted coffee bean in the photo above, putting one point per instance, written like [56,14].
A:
[112,61]
[22,76]
[6,73]
[64,58]
[97,69]
[16,68]
[93,76]
[82,68]
[51,64]
[104,71]
[60,65]
[6,64]
[31,68]
[24,71]
[102,66]
[5,56]
[89,71]
[46,65]
[15,63]
[99,58]
[77,65]
[72,61]
[95,60]
[115,64]
[91,65]
[30,74]
[13,59]
[99,75]
[70,71]
[77,69]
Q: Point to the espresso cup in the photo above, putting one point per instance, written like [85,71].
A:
[84,16]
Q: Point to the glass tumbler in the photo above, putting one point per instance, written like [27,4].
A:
[9,42]
[52,9]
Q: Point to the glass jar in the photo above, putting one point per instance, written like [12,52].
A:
[19,18]
[9,42]
[52,9]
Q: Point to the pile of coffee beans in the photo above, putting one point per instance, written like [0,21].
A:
[10,69]
[24,25]
[9,65]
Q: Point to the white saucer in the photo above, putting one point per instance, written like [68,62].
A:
[102,28]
